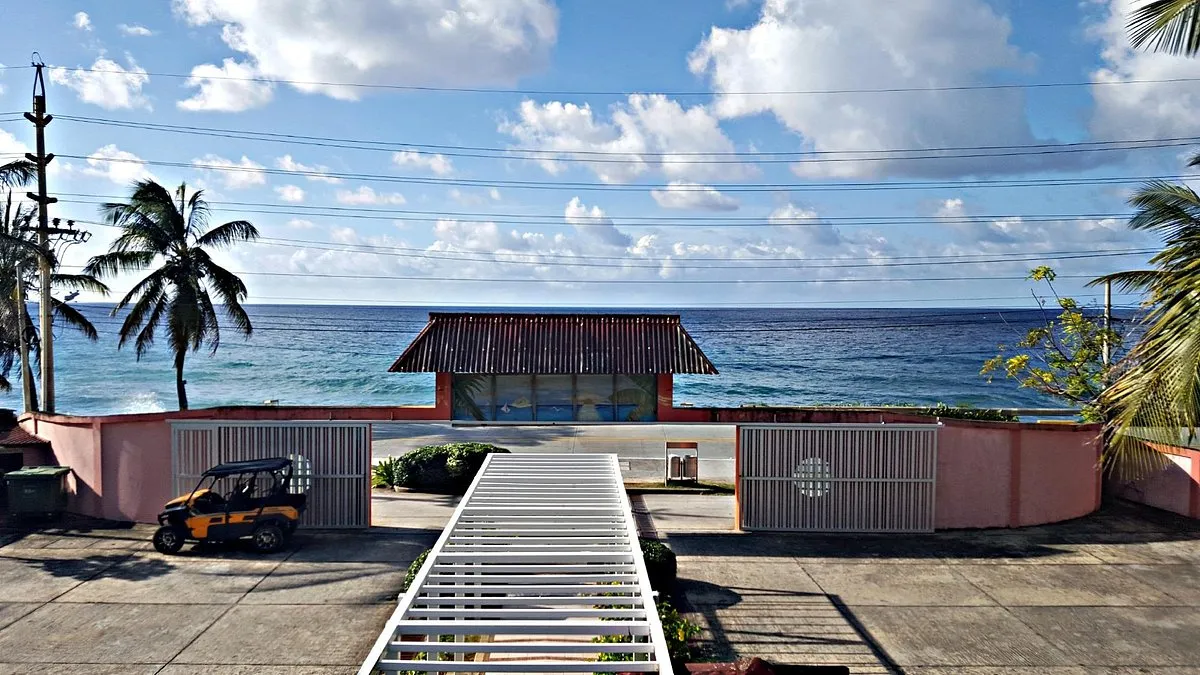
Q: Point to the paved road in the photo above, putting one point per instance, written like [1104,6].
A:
[641,447]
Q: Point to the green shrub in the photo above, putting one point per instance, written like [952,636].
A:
[660,565]
[447,469]
[386,474]
[966,412]
[679,633]
[414,569]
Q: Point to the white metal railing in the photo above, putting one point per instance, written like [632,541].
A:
[540,557]
[837,477]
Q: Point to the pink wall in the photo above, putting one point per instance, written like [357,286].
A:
[1175,487]
[990,474]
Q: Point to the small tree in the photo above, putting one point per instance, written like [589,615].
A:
[1064,357]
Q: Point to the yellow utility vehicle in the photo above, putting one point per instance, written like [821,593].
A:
[251,499]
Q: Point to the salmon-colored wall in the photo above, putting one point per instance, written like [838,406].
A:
[990,474]
[137,457]
[1175,487]
[973,477]
[75,443]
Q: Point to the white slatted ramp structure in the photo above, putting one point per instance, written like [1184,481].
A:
[540,558]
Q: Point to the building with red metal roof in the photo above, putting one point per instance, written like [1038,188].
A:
[514,367]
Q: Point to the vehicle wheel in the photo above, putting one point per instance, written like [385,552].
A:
[268,538]
[168,540]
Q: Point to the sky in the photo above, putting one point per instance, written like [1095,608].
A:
[675,153]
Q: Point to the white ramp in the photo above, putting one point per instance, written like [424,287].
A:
[540,558]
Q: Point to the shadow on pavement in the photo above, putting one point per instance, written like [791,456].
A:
[115,565]
[1116,523]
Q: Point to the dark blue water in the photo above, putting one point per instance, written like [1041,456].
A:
[339,355]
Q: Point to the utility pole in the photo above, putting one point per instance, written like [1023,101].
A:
[40,120]
[1107,322]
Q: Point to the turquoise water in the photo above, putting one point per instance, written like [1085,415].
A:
[339,355]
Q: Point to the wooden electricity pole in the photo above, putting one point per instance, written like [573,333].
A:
[40,120]
[1107,322]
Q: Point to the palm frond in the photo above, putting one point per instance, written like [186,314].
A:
[197,214]
[228,234]
[145,338]
[18,172]
[74,319]
[1171,26]
[85,282]
[1131,281]
[115,262]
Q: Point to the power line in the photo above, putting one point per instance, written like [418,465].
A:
[595,156]
[697,263]
[607,187]
[314,210]
[675,93]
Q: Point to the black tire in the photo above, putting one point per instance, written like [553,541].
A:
[268,538]
[291,527]
[168,540]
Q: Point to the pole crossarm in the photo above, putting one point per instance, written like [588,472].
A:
[538,571]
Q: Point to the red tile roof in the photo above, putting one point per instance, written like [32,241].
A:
[16,436]
[553,344]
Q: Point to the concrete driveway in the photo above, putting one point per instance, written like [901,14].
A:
[103,601]
[1116,593]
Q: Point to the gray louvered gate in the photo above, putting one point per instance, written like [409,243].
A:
[331,461]
[837,477]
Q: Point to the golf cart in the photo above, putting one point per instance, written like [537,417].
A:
[235,500]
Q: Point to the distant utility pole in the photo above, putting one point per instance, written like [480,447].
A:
[28,391]
[40,120]
[1107,322]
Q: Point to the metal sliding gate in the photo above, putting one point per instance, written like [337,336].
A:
[331,461]
[540,558]
[837,477]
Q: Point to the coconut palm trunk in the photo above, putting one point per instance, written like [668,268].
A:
[180,383]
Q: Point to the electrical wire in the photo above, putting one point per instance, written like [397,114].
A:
[671,158]
[674,93]
[608,187]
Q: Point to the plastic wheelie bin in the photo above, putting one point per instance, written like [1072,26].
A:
[37,490]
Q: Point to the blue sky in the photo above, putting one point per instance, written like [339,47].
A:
[673,96]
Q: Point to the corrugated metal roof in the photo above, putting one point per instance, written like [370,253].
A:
[553,344]
[16,436]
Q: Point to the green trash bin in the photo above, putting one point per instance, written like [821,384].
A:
[37,490]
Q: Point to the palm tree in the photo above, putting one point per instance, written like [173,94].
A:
[1171,26]
[17,173]
[19,259]
[157,225]
[1156,395]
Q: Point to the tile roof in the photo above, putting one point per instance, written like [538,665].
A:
[512,343]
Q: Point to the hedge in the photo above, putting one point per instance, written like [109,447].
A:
[447,469]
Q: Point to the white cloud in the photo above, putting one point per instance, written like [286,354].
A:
[106,83]
[314,173]
[229,87]
[814,45]
[134,30]
[290,193]
[234,175]
[593,223]
[366,195]
[806,226]
[1,85]
[494,194]
[645,133]
[120,167]
[486,237]
[435,163]
[383,41]
[1140,109]
[83,21]
[301,224]
[693,196]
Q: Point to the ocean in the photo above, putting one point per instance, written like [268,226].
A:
[339,355]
